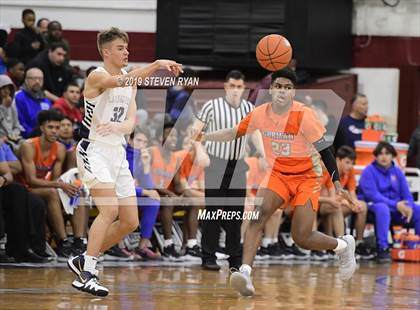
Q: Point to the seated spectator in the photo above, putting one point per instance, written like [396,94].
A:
[42,159]
[57,75]
[165,168]
[30,100]
[270,246]
[42,25]
[351,127]
[384,187]
[67,104]
[23,217]
[54,34]
[193,160]
[139,160]
[16,72]
[65,136]
[345,158]
[28,42]
[414,149]
[9,122]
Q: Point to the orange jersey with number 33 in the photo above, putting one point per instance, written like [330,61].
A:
[287,137]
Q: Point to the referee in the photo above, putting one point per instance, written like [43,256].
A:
[226,175]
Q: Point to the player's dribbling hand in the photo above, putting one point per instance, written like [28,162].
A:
[106,129]
[170,65]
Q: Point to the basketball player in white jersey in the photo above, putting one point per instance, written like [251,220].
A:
[110,115]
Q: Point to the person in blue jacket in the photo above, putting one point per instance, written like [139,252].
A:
[30,100]
[139,160]
[384,187]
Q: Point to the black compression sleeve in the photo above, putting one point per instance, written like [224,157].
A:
[328,158]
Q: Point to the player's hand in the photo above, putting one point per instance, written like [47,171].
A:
[70,189]
[151,194]
[405,210]
[170,65]
[106,129]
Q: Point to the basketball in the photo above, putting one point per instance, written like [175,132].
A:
[273,52]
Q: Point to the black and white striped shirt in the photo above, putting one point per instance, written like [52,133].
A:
[217,114]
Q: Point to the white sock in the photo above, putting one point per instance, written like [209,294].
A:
[275,240]
[341,245]
[246,269]
[90,264]
[358,242]
[168,242]
[266,242]
[191,243]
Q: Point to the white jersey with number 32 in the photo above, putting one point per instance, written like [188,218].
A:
[110,106]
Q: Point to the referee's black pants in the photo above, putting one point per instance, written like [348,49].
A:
[225,182]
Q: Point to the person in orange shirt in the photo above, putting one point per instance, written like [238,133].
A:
[42,161]
[345,158]
[294,144]
[193,161]
[330,213]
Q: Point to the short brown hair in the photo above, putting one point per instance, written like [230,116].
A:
[110,35]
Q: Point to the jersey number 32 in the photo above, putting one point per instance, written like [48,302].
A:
[118,113]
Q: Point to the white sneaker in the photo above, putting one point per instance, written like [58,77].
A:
[347,259]
[242,283]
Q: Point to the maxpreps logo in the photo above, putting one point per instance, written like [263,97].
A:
[216,215]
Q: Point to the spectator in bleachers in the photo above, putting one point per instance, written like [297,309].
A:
[16,72]
[57,75]
[345,157]
[139,160]
[28,42]
[42,25]
[54,34]
[9,122]
[351,127]
[414,149]
[384,187]
[30,100]
[42,159]
[177,99]
[193,160]
[66,137]
[19,216]
[67,104]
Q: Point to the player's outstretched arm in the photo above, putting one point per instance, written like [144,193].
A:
[222,135]
[102,80]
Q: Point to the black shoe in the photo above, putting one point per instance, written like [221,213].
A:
[88,283]
[210,265]
[30,257]
[76,264]
[64,249]
[5,259]
[45,255]
[79,246]
[383,256]
[116,254]
[319,255]
[169,253]
[276,251]
[364,252]
[262,253]
[193,253]
[297,253]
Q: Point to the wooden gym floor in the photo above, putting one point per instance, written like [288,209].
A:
[284,285]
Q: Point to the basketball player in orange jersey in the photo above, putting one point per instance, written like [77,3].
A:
[293,144]
[110,115]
